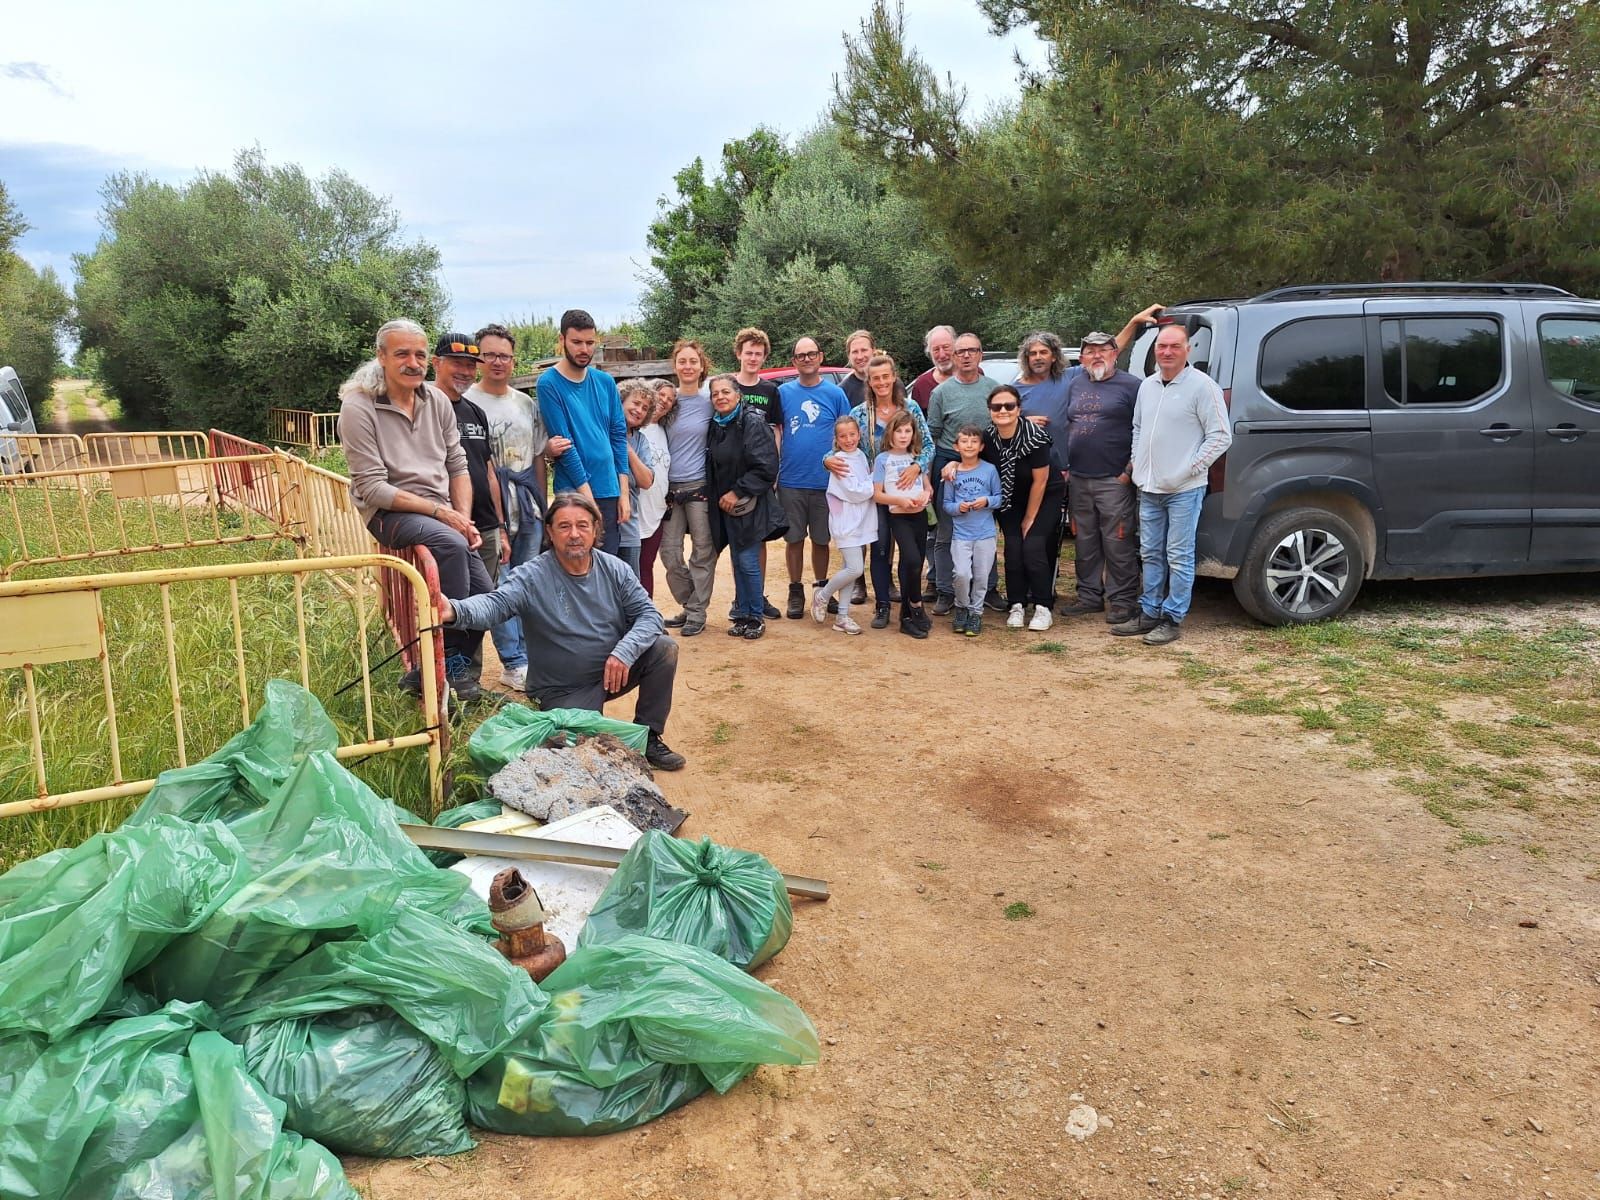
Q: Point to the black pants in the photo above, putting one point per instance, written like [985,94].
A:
[910,532]
[461,571]
[1030,574]
[652,674]
[880,560]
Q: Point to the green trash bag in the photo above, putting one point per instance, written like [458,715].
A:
[153,1106]
[516,729]
[635,1028]
[361,1082]
[730,902]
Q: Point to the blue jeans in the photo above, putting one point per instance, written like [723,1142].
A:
[749,590]
[508,643]
[1167,524]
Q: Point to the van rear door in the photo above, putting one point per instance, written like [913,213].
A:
[1564,370]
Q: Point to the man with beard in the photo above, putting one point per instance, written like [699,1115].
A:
[582,404]
[1102,498]
[939,344]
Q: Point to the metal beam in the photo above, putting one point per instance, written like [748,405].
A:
[505,845]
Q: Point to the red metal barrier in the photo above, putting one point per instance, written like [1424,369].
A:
[400,614]
[241,483]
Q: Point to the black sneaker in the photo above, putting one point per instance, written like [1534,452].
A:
[880,617]
[912,627]
[1079,608]
[691,628]
[958,623]
[797,602]
[920,616]
[1135,626]
[462,678]
[675,622]
[662,756]
[944,604]
[995,602]
[411,682]
[769,610]
[754,629]
[1117,616]
[738,626]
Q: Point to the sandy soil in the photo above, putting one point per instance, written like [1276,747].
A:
[1266,972]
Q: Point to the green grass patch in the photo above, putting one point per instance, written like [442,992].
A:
[723,733]
[1018,910]
[1048,648]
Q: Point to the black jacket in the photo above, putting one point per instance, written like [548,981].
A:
[742,458]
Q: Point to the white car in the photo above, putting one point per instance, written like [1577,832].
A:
[1002,367]
[15,417]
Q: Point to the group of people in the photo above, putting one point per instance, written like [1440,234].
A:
[940,474]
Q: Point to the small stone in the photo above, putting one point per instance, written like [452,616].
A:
[1082,1122]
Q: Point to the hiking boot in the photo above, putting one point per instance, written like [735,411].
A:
[797,602]
[958,623]
[994,601]
[691,628]
[1042,619]
[880,617]
[754,629]
[1079,608]
[462,678]
[515,678]
[660,755]
[1015,619]
[675,622]
[738,627]
[1164,632]
[846,625]
[859,595]
[909,625]
[1135,626]
[1116,616]
[769,610]
[943,604]
[974,622]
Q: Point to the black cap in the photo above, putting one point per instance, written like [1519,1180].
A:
[456,345]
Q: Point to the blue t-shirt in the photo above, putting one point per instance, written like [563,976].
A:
[630,528]
[1100,425]
[1048,399]
[590,413]
[978,523]
[808,417]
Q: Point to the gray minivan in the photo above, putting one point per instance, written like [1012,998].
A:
[15,417]
[1404,431]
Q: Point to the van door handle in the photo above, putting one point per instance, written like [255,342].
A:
[1499,432]
[1566,432]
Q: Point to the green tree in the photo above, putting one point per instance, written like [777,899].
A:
[212,302]
[692,239]
[33,311]
[832,249]
[1234,146]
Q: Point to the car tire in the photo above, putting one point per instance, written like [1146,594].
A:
[1303,565]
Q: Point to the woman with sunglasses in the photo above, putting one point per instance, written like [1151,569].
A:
[1031,497]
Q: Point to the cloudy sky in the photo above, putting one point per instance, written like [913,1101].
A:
[528,142]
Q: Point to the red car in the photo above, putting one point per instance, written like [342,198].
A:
[782,374]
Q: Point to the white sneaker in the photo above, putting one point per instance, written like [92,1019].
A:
[515,678]
[819,606]
[1041,619]
[1014,621]
[846,625]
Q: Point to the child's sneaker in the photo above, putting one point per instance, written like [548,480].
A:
[958,621]
[846,625]
[819,606]
[1015,619]
[974,622]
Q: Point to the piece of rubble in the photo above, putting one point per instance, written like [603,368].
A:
[1082,1122]
[552,781]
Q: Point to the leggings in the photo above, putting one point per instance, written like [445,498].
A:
[970,564]
[647,559]
[910,532]
[839,585]
[1030,575]
[880,560]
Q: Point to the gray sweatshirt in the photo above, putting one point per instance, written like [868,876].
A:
[1179,430]
[572,623]
[389,452]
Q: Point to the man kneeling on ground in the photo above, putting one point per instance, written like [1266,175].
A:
[591,631]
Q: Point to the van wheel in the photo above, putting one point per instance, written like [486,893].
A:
[1304,564]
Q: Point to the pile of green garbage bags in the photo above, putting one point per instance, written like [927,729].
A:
[259,967]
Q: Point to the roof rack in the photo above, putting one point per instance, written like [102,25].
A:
[1313,290]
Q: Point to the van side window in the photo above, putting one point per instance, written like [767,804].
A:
[1571,348]
[1316,364]
[1441,360]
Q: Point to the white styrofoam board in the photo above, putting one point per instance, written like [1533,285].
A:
[567,891]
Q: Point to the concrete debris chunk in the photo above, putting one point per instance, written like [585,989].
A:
[554,781]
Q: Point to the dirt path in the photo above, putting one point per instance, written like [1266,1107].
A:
[98,420]
[1266,969]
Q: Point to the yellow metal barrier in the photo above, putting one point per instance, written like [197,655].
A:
[323,512]
[72,637]
[302,427]
[45,451]
[103,512]
[125,449]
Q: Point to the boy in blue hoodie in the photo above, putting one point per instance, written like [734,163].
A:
[971,499]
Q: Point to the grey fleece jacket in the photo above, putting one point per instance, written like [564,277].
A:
[572,623]
[1179,430]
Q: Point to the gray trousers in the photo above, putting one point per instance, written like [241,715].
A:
[461,572]
[1107,543]
[652,675]
[690,582]
[973,562]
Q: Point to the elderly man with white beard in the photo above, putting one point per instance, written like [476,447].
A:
[1102,498]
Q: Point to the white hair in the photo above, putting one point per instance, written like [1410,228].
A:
[398,325]
[927,338]
[368,377]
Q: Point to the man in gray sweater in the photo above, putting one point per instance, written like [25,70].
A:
[1180,427]
[591,631]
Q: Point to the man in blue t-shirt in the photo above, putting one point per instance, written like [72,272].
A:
[582,404]
[809,405]
[1102,499]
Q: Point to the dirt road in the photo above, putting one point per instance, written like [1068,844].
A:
[1265,972]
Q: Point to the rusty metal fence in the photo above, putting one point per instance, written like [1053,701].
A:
[301,427]
[89,648]
[129,449]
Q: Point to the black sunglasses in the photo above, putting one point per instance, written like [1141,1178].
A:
[1001,407]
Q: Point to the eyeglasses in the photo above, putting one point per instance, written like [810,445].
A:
[970,350]
[1002,407]
[498,357]
[808,353]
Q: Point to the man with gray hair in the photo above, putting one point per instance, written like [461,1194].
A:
[939,344]
[409,480]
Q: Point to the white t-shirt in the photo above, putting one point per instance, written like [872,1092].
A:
[653,500]
[516,433]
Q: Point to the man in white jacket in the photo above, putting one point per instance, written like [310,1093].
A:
[1180,427]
